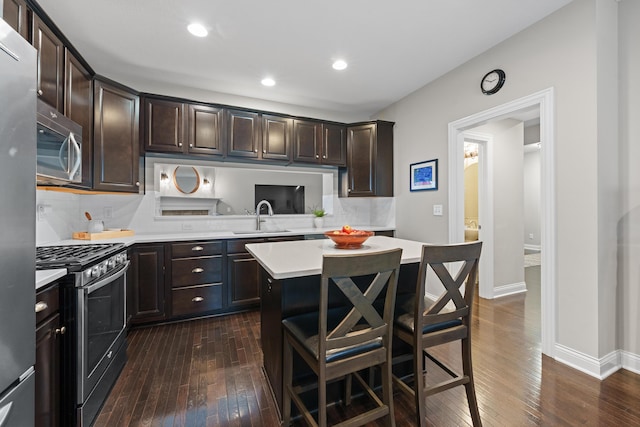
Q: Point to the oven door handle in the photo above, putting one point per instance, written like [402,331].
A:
[105,281]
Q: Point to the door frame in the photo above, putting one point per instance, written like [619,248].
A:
[545,100]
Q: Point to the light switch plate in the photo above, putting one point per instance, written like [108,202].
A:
[437,210]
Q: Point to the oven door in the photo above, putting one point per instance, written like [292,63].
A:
[101,323]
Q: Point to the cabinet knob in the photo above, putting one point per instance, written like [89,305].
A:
[269,284]
[41,306]
[349,190]
[255,151]
[40,92]
[197,270]
[137,183]
[317,156]
[197,299]
[324,157]
[61,331]
[190,145]
[264,151]
[197,248]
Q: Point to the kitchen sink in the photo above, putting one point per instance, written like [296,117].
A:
[260,231]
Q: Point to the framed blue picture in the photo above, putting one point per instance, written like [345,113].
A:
[424,175]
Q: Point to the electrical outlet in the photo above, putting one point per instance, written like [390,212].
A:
[187,227]
[437,210]
[531,236]
[107,212]
[41,213]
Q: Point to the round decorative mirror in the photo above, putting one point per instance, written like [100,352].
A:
[186,179]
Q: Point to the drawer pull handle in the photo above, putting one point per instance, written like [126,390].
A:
[197,270]
[197,299]
[61,331]
[110,354]
[41,306]
[197,248]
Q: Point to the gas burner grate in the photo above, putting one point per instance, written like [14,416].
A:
[72,255]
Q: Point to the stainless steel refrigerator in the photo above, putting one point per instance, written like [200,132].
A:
[17,227]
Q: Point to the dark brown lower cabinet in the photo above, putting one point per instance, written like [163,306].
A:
[145,279]
[243,275]
[49,332]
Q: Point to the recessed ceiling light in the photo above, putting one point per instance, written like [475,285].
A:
[268,81]
[339,65]
[197,30]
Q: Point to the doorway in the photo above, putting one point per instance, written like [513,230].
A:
[544,101]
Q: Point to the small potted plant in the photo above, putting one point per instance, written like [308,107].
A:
[318,214]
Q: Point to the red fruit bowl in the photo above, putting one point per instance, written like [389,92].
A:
[353,240]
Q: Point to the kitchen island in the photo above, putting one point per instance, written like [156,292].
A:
[290,283]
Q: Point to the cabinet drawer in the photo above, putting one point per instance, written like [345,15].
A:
[195,249]
[196,299]
[47,303]
[237,246]
[196,271]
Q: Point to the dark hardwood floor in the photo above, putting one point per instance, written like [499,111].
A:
[208,373]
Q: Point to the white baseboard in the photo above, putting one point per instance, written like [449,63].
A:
[532,247]
[510,289]
[598,368]
[630,361]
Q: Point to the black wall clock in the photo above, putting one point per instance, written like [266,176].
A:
[492,82]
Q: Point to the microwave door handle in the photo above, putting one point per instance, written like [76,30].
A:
[76,148]
[63,148]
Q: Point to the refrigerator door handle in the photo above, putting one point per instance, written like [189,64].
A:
[4,414]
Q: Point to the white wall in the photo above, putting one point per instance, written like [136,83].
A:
[560,52]
[532,169]
[508,200]
[628,227]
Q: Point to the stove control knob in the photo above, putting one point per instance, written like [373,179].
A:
[103,267]
[87,274]
[112,262]
[95,271]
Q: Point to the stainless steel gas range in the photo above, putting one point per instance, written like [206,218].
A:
[94,310]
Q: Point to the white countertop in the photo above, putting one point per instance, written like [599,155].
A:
[285,260]
[204,235]
[44,277]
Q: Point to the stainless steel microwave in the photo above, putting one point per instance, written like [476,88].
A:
[59,158]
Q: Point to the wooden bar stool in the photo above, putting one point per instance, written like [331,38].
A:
[337,342]
[423,323]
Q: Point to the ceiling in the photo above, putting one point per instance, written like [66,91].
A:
[392,48]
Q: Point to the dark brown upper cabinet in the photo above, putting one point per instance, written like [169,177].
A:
[16,13]
[164,123]
[319,143]
[50,64]
[116,149]
[78,106]
[276,137]
[369,170]
[179,127]
[243,133]
[205,130]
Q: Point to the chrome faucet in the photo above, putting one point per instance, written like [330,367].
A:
[260,204]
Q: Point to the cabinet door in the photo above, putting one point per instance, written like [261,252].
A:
[116,153]
[78,106]
[47,376]
[243,133]
[361,160]
[307,137]
[276,137]
[205,130]
[244,280]
[334,145]
[164,126]
[147,280]
[50,64]
[16,14]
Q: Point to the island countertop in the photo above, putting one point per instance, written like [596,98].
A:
[285,260]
